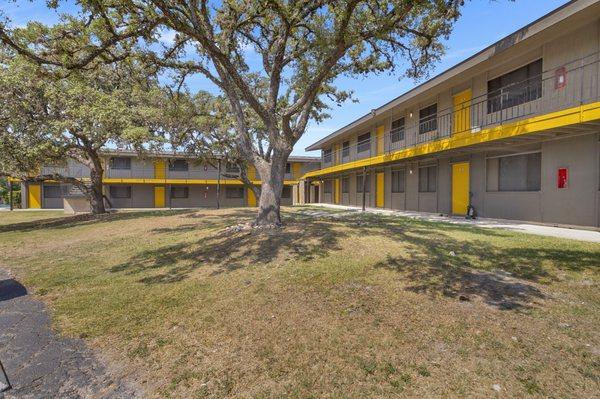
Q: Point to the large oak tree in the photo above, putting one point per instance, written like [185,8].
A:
[302,45]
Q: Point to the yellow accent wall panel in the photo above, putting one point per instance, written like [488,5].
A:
[34,196]
[461,121]
[159,196]
[251,198]
[160,170]
[337,191]
[380,199]
[460,188]
[380,139]
[296,170]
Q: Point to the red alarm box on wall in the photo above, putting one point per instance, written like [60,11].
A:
[563,177]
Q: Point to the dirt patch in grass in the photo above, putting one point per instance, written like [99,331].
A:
[328,306]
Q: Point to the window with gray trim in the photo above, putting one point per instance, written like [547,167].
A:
[120,163]
[234,192]
[178,165]
[515,88]
[52,191]
[397,131]
[359,183]
[327,155]
[520,172]
[364,142]
[232,168]
[398,181]
[120,191]
[345,149]
[327,186]
[428,119]
[428,179]
[288,168]
[345,185]
[180,192]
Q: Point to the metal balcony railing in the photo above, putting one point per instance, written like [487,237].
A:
[190,174]
[570,85]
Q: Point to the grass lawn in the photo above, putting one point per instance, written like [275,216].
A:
[330,306]
[18,216]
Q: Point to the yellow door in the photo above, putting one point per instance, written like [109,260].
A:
[160,171]
[460,188]
[159,196]
[336,188]
[251,198]
[380,190]
[462,112]
[296,170]
[380,139]
[34,197]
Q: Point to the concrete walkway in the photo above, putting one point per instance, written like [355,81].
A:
[41,364]
[531,228]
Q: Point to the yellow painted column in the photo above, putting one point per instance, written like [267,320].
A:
[336,188]
[380,199]
[159,196]
[251,198]
[160,170]
[34,196]
[380,139]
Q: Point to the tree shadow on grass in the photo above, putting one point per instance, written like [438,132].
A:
[88,218]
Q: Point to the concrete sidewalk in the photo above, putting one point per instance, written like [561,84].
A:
[574,233]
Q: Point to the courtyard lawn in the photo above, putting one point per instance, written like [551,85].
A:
[333,305]
[25,216]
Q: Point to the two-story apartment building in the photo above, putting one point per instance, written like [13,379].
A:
[162,181]
[513,131]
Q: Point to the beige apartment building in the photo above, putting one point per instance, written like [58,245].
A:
[513,131]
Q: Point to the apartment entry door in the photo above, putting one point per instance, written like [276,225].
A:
[461,121]
[460,188]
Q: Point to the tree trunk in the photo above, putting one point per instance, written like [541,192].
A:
[271,176]
[96,196]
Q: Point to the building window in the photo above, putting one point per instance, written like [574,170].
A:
[345,149]
[364,142]
[327,186]
[327,156]
[345,184]
[520,172]
[120,191]
[286,192]
[234,192]
[178,165]
[288,168]
[397,132]
[428,119]
[120,163]
[515,88]
[52,191]
[398,181]
[232,168]
[180,192]
[428,179]
[359,183]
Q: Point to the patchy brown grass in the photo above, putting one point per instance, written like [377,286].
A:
[329,306]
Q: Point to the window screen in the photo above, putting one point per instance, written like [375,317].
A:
[428,179]
[52,191]
[520,172]
[178,165]
[234,192]
[120,191]
[359,183]
[428,119]
[364,142]
[515,88]
[397,132]
[327,155]
[120,163]
[345,184]
[397,181]
[180,192]
[345,148]
[286,192]
[327,186]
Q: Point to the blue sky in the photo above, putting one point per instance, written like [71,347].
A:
[483,22]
